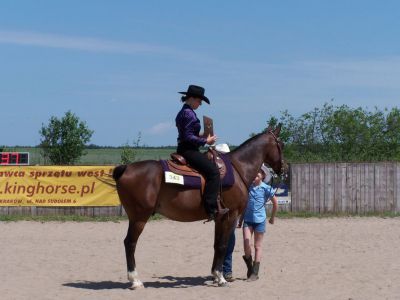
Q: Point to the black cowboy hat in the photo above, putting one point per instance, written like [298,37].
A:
[196,91]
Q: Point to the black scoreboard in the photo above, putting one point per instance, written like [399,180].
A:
[14,158]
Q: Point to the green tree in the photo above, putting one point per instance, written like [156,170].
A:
[63,140]
[392,136]
[341,133]
[129,153]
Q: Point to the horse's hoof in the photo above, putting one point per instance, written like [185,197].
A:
[223,284]
[137,286]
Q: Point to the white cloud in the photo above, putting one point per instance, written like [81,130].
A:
[160,128]
[27,38]
[373,73]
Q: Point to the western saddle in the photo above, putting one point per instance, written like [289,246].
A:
[178,164]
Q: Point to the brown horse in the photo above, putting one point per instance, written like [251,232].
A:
[143,192]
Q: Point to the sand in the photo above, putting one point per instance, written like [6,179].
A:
[335,258]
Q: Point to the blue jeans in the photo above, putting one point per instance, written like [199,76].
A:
[258,227]
[227,265]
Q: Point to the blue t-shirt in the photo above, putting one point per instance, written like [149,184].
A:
[258,196]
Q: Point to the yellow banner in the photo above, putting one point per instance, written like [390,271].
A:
[57,186]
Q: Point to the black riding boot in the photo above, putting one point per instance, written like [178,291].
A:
[254,274]
[249,264]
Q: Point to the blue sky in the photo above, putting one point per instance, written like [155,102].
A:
[118,65]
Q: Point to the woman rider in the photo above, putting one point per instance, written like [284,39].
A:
[189,141]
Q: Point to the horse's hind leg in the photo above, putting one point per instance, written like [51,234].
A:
[134,231]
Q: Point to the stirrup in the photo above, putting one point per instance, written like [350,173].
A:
[211,217]
[220,213]
[217,215]
[221,209]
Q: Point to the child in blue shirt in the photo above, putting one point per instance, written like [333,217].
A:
[254,222]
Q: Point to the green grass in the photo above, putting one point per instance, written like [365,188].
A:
[69,218]
[103,156]
[281,215]
[305,215]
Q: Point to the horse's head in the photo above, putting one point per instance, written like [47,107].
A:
[264,147]
[274,155]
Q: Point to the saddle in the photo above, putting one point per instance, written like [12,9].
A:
[178,164]
[180,172]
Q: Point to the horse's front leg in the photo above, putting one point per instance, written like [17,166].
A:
[223,229]
[134,231]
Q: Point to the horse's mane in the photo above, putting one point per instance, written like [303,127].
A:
[248,141]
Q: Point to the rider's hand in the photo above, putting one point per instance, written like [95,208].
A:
[211,139]
[271,220]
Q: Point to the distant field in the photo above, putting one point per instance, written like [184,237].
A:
[103,156]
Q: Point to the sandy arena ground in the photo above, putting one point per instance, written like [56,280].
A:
[339,258]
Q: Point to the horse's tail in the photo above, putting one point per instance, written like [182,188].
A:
[118,171]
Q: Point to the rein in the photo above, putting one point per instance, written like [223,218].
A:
[240,175]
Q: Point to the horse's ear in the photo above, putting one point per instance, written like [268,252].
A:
[269,129]
[277,130]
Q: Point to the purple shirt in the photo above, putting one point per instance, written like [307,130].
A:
[189,127]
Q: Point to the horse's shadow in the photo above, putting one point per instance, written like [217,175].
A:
[98,285]
[178,282]
[162,282]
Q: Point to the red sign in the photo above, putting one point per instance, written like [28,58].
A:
[14,158]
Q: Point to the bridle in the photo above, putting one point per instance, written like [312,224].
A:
[278,144]
[277,141]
